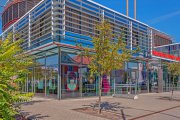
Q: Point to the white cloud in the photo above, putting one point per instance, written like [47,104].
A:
[164,17]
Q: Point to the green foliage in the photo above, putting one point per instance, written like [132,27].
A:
[110,51]
[22,97]
[174,68]
[13,70]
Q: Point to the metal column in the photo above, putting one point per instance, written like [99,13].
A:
[34,81]
[45,77]
[59,74]
[81,77]
[114,87]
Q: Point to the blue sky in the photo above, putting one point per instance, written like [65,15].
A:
[163,15]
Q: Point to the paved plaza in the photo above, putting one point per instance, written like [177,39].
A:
[152,106]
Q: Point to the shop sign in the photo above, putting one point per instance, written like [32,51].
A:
[164,55]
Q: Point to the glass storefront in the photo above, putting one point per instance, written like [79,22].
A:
[52,80]
[131,80]
[29,82]
[70,74]
[70,81]
[89,84]
[168,80]
[39,79]
[62,73]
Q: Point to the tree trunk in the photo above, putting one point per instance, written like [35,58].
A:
[172,89]
[100,90]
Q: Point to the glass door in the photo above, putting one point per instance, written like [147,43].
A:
[153,81]
[51,81]
[39,78]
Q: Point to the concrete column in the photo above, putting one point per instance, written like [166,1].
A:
[160,80]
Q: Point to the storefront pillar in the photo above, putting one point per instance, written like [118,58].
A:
[80,81]
[45,76]
[160,80]
[33,85]
[80,77]
[169,82]
[114,86]
[147,75]
[59,75]
[34,81]
[26,84]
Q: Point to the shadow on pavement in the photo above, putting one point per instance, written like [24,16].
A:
[168,98]
[32,102]
[37,116]
[33,117]
[123,115]
[155,112]
[106,106]
[118,109]
[112,111]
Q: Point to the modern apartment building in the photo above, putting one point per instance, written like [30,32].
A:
[51,30]
[15,9]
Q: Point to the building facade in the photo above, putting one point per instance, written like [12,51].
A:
[51,30]
[15,9]
[170,51]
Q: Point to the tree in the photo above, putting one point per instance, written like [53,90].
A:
[174,70]
[13,70]
[110,52]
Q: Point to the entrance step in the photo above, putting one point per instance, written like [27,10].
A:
[128,96]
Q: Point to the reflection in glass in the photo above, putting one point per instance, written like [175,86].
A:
[51,80]
[70,81]
[39,76]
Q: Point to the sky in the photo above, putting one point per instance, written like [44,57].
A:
[163,15]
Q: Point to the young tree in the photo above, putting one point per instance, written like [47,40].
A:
[13,70]
[174,70]
[109,53]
